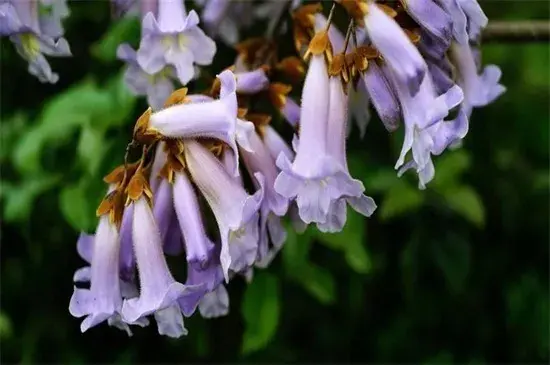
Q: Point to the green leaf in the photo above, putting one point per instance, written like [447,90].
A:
[12,129]
[260,310]
[400,199]
[450,167]
[91,149]
[296,250]
[452,256]
[19,198]
[351,241]
[58,122]
[76,207]
[465,201]
[381,181]
[6,329]
[358,258]
[124,101]
[442,358]
[123,30]
[318,282]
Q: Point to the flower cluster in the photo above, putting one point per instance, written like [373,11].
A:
[215,157]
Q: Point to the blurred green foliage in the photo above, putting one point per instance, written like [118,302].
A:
[457,273]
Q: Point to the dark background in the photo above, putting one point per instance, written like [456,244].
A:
[454,274]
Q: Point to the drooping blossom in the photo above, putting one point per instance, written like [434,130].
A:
[336,145]
[173,37]
[157,87]
[209,119]
[35,33]
[235,210]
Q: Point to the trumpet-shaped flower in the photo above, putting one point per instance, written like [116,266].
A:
[34,33]
[159,292]
[479,90]
[314,178]
[252,82]
[421,111]
[236,212]
[336,145]
[157,87]
[208,119]
[174,38]
[104,299]
[215,304]
[273,204]
[432,18]
[128,289]
[395,47]
[203,266]
[382,95]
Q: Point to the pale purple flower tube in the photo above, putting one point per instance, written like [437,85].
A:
[273,204]
[236,212]
[210,119]
[314,178]
[382,95]
[291,112]
[432,18]
[158,289]
[252,82]
[479,90]
[103,300]
[336,145]
[396,48]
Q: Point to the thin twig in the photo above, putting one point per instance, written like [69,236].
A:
[348,33]
[517,31]
[330,15]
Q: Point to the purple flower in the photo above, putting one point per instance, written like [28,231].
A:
[128,289]
[291,112]
[157,87]
[224,18]
[382,95]
[275,144]
[236,212]
[203,265]
[21,21]
[159,160]
[174,38]
[421,111]
[426,131]
[104,299]
[434,140]
[273,205]
[336,145]
[252,82]
[165,217]
[209,119]
[314,178]
[395,47]
[476,19]
[432,18]
[52,12]
[159,292]
[215,303]
[479,90]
